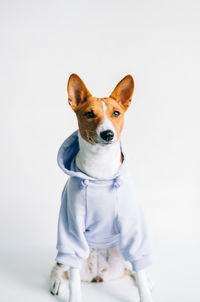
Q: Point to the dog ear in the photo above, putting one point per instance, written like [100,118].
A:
[77,91]
[123,91]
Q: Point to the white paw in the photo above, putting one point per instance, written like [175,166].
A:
[146,299]
[56,280]
[146,296]
[150,283]
[75,297]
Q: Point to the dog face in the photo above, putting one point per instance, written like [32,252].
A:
[100,120]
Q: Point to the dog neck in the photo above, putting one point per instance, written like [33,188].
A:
[98,161]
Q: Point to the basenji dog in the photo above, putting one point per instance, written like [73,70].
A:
[98,230]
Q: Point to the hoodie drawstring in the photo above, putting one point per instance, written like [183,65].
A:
[84,184]
[117,182]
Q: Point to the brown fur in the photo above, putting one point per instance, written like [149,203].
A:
[66,274]
[97,279]
[87,127]
[81,101]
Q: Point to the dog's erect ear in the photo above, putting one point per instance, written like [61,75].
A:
[77,91]
[123,91]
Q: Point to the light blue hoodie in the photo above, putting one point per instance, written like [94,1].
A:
[99,214]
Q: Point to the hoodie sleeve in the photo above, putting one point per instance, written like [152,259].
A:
[71,243]
[133,241]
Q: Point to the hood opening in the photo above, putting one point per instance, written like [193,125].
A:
[66,158]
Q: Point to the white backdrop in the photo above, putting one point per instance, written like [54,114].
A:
[42,43]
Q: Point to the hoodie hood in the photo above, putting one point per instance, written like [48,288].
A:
[66,159]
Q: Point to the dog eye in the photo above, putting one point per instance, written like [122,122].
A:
[90,114]
[116,113]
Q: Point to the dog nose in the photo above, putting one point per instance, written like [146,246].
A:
[107,135]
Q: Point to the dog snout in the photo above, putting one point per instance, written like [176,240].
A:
[107,135]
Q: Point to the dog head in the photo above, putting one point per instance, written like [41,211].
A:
[100,120]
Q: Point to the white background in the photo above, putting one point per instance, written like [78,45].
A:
[42,43]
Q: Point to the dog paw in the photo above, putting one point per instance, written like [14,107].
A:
[150,283]
[146,296]
[146,299]
[76,297]
[56,280]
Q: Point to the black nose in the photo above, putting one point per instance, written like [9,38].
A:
[107,135]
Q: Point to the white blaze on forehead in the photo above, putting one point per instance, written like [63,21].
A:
[106,124]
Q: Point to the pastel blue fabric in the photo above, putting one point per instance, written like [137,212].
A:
[99,213]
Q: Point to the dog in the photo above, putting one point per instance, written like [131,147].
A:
[101,224]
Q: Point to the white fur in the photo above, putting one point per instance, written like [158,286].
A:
[98,161]
[74,285]
[107,264]
[144,286]
[57,278]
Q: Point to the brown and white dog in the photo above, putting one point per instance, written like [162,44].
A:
[100,122]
